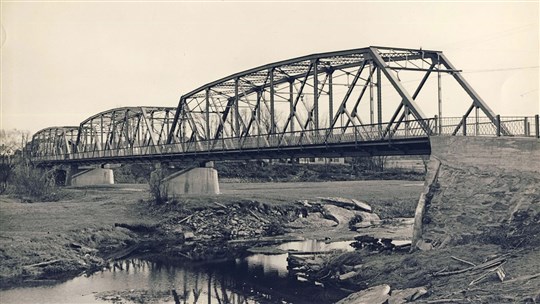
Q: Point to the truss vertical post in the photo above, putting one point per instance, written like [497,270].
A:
[330,98]
[168,121]
[316,93]
[406,112]
[379,98]
[272,113]
[498,124]
[464,125]
[476,122]
[101,126]
[207,118]
[525,126]
[439,91]
[258,113]
[537,125]
[291,103]
[371,112]
[236,108]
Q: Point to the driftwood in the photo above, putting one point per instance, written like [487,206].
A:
[499,270]
[257,217]
[463,261]
[43,264]
[445,301]
[524,278]
[293,253]
[186,218]
[221,205]
[487,265]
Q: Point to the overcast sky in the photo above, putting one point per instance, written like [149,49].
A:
[65,61]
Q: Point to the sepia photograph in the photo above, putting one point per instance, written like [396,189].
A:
[259,152]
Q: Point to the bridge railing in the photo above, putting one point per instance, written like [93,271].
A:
[337,135]
[527,126]
[471,126]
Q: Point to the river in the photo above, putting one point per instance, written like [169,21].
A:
[257,278]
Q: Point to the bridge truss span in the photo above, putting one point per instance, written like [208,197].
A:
[350,102]
[320,91]
[124,131]
[54,142]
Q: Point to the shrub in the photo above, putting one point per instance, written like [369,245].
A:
[6,169]
[31,182]
[158,189]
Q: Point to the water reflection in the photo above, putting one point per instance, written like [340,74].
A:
[256,279]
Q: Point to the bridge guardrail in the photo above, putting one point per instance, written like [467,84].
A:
[471,126]
[482,126]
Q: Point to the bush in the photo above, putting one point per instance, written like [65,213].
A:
[158,189]
[6,169]
[35,183]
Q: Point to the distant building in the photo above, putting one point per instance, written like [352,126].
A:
[323,160]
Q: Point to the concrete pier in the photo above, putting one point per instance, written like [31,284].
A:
[91,177]
[192,181]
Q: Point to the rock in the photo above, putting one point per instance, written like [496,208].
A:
[423,245]
[368,219]
[340,215]
[362,205]
[189,235]
[373,295]
[346,202]
[348,275]
[407,295]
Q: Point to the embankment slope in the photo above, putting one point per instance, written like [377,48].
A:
[489,191]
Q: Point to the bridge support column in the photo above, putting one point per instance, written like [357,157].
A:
[89,177]
[198,180]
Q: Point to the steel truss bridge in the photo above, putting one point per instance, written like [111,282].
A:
[328,104]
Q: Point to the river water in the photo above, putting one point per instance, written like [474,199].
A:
[258,278]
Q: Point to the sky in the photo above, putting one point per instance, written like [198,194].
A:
[62,62]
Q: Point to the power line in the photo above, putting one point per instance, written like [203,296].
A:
[502,69]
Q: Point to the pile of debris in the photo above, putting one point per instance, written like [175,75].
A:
[325,267]
[234,221]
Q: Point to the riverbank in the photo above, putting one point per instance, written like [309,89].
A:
[47,242]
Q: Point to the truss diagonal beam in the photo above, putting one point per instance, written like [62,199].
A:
[407,100]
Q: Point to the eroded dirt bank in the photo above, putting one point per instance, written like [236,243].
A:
[481,233]
[488,198]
